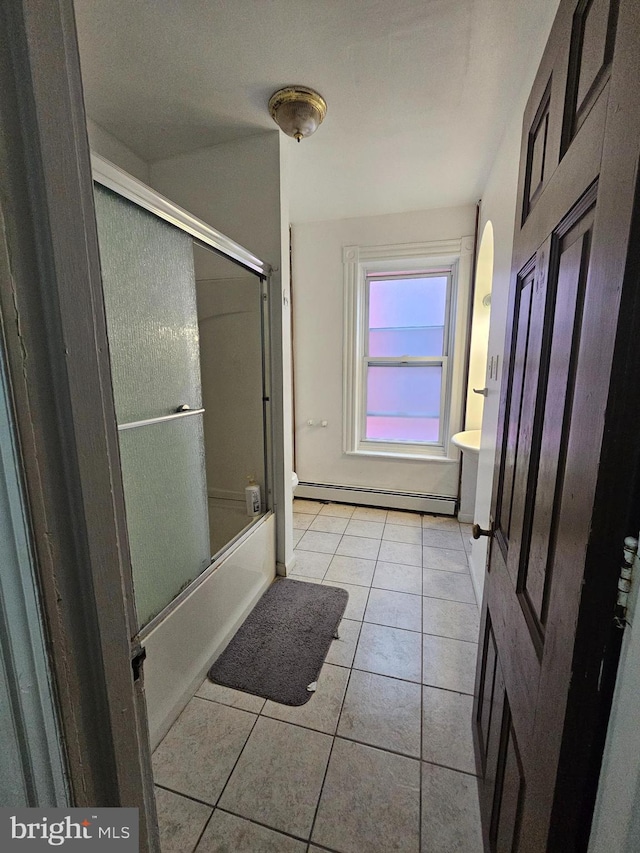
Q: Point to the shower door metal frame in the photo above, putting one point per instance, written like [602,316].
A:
[109,175]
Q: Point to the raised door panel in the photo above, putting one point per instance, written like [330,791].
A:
[570,269]
[592,42]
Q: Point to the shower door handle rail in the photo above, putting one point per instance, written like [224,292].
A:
[181,413]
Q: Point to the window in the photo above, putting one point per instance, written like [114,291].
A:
[405,358]
[401,318]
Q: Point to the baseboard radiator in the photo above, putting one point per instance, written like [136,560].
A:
[438,504]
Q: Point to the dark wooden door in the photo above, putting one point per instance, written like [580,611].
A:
[560,510]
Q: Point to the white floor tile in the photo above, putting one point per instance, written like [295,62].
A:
[227,833]
[302,505]
[453,586]
[199,752]
[398,577]
[358,596]
[229,696]
[440,522]
[369,513]
[322,710]
[394,609]
[450,664]
[445,560]
[353,570]
[402,533]
[389,651]
[447,734]
[400,552]
[383,712]
[342,650]
[311,563]
[408,519]
[323,543]
[180,821]
[453,619]
[278,778]
[369,529]
[329,524]
[302,520]
[363,781]
[338,510]
[358,546]
[450,811]
[442,539]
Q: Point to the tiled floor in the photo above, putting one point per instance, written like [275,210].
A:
[381,758]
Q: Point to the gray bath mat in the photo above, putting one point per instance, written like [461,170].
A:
[279,649]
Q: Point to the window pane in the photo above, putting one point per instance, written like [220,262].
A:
[406,316]
[406,341]
[403,403]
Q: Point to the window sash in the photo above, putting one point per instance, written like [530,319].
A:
[430,273]
[452,258]
[367,361]
[408,362]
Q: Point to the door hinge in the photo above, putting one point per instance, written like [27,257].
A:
[138,657]
[625,580]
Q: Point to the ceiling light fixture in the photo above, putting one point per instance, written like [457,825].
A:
[297,110]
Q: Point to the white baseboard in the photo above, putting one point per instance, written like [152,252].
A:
[182,647]
[441,505]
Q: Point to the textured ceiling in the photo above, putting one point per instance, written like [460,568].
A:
[418,91]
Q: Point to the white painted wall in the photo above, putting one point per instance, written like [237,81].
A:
[238,188]
[480,329]
[616,818]
[230,326]
[498,207]
[318,306]
[112,149]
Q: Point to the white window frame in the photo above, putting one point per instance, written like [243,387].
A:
[451,257]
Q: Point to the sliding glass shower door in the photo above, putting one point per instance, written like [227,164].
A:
[149,288]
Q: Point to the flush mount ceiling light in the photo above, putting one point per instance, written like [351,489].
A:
[297,110]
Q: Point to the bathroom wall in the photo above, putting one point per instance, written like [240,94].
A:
[112,149]
[479,329]
[318,306]
[616,818]
[231,367]
[239,188]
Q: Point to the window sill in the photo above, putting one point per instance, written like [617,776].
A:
[432,455]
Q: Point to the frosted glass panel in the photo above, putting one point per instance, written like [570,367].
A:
[149,289]
[406,316]
[150,300]
[400,342]
[403,403]
[163,474]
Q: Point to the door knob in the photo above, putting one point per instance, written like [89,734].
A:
[477,531]
[483,391]
[185,407]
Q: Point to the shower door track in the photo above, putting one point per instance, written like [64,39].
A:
[113,178]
